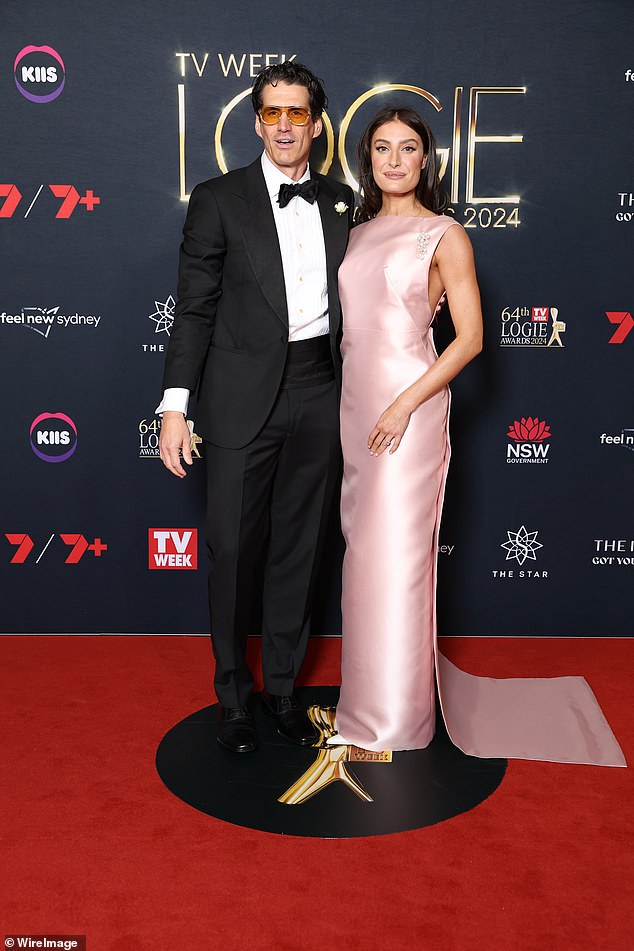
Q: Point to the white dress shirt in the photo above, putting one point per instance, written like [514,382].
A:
[301,239]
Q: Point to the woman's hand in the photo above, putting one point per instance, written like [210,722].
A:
[390,427]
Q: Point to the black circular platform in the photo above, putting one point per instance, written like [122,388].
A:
[416,789]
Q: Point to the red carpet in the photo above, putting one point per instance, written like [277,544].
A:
[94,844]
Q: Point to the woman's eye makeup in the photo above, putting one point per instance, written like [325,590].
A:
[406,148]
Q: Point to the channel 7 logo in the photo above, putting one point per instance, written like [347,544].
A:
[68,195]
[170,548]
[624,321]
[78,544]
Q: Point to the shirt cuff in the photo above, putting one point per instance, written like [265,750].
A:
[175,399]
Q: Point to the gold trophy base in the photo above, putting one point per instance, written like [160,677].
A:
[331,763]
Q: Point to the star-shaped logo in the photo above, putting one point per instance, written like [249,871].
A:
[521,545]
[163,316]
[47,314]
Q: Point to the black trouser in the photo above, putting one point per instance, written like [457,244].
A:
[267,510]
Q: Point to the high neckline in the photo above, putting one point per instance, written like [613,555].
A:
[408,217]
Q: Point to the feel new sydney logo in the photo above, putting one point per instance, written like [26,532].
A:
[41,320]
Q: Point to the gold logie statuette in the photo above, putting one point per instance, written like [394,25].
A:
[358,755]
[330,765]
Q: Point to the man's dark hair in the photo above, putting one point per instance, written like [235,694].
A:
[290,73]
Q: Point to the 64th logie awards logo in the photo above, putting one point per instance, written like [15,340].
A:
[531,327]
[149,433]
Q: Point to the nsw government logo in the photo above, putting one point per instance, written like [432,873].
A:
[173,548]
[53,437]
[529,437]
[531,327]
[521,546]
[39,73]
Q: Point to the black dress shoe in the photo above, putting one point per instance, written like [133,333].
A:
[235,730]
[292,722]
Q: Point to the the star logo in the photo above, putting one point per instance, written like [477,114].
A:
[163,316]
[521,545]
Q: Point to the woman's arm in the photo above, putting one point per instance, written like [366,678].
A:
[456,269]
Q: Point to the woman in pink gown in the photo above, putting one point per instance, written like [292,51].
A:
[403,256]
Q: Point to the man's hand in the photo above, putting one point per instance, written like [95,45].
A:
[175,437]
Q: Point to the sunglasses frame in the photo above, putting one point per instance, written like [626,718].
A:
[287,110]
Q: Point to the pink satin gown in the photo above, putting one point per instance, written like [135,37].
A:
[390,513]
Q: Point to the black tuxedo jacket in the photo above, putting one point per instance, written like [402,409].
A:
[230,333]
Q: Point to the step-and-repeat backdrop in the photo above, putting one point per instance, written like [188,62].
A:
[112,113]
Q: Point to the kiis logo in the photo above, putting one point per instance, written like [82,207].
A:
[173,548]
[529,437]
[531,327]
[53,437]
[39,73]
[625,322]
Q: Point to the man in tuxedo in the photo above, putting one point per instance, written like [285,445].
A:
[256,333]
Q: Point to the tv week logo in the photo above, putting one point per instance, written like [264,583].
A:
[173,548]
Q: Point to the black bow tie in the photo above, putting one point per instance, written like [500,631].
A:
[307,190]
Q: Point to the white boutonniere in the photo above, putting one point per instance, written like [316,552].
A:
[341,208]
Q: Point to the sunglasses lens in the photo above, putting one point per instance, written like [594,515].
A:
[298,116]
[270,115]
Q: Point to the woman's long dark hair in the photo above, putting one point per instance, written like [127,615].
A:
[428,191]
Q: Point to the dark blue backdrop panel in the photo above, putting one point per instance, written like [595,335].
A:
[111,115]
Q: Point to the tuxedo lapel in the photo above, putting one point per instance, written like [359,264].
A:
[335,228]
[261,241]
